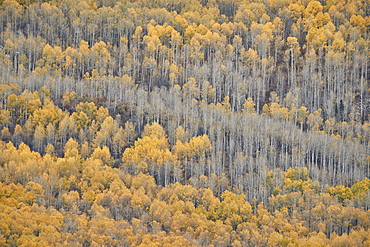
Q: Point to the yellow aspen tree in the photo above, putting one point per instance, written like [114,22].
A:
[17,135]
[314,120]
[101,57]
[49,113]
[118,142]
[245,14]
[150,154]
[5,118]
[108,128]
[39,138]
[102,154]
[302,116]
[292,55]
[249,106]
[71,149]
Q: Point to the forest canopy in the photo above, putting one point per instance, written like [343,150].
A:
[184,123]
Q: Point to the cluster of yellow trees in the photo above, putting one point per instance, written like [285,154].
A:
[182,123]
[47,200]
[316,50]
[232,144]
[85,196]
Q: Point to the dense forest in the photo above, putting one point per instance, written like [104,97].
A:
[184,123]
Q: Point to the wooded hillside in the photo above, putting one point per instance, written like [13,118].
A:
[182,123]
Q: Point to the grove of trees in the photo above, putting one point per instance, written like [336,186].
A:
[184,123]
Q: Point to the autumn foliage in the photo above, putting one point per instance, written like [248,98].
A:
[184,123]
